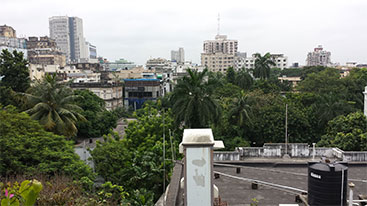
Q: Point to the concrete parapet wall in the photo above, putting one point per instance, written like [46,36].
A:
[299,150]
[226,156]
[355,156]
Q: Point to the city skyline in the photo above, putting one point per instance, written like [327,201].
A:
[137,31]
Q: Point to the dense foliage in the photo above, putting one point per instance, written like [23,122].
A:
[347,132]
[99,120]
[14,77]
[26,148]
[13,68]
[136,161]
[253,111]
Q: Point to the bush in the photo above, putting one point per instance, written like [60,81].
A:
[26,148]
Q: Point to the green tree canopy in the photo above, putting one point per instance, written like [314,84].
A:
[52,104]
[231,75]
[136,161]
[324,82]
[99,120]
[26,148]
[355,84]
[13,68]
[244,80]
[347,132]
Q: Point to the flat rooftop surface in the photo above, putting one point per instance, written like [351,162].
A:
[239,193]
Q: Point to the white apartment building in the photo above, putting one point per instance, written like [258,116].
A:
[219,54]
[280,61]
[220,45]
[68,34]
[319,57]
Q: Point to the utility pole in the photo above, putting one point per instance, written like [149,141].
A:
[286,128]
[164,157]
[365,101]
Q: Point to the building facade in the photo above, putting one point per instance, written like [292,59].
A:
[7,31]
[118,65]
[178,56]
[10,42]
[111,93]
[158,64]
[44,51]
[219,54]
[319,57]
[68,33]
[280,61]
[137,91]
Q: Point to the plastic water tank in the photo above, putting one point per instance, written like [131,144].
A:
[327,183]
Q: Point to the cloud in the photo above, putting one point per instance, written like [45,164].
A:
[136,30]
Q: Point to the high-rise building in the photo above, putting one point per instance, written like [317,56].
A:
[219,54]
[174,56]
[181,55]
[319,57]
[178,56]
[68,33]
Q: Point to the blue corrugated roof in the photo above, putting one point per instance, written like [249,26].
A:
[141,80]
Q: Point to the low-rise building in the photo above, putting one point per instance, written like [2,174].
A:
[158,64]
[135,73]
[293,80]
[137,91]
[111,93]
[121,64]
[11,44]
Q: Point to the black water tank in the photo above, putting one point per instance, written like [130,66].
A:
[327,183]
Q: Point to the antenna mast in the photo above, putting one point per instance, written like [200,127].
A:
[218,29]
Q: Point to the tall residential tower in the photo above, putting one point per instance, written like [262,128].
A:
[318,57]
[219,54]
[68,34]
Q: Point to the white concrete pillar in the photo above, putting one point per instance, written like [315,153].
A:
[365,101]
[198,174]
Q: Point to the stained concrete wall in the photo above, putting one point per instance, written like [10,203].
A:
[226,156]
[355,156]
[296,150]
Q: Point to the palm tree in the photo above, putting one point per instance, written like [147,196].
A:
[53,105]
[241,109]
[244,79]
[192,101]
[262,66]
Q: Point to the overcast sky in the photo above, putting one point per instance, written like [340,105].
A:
[139,29]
